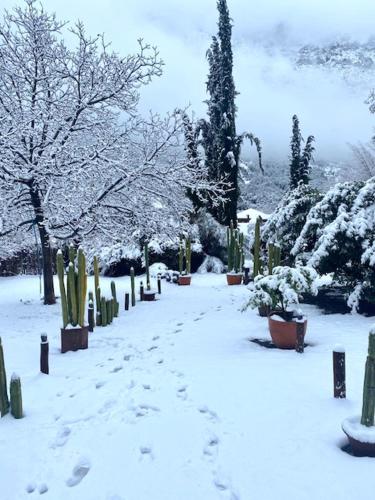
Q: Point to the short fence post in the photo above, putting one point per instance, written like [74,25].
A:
[159,284]
[126,302]
[339,383]
[90,316]
[246,278]
[44,349]
[300,328]
[141,290]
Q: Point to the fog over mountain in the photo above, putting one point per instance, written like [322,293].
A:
[312,58]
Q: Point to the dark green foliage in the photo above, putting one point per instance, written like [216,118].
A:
[16,397]
[4,400]
[368,407]
[300,160]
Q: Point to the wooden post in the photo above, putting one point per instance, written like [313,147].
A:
[159,284]
[90,316]
[141,290]
[246,278]
[126,301]
[300,327]
[339,384]
[44,349]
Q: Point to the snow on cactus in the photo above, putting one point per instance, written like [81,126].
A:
[283,288]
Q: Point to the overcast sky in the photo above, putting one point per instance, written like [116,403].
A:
[271,91]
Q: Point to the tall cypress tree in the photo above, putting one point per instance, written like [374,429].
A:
[220,141]
[300,160]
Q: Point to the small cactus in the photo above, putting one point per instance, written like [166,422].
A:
[16,397]
[4,400]
[368,407]
[98,308]
[91,315]
[103,310]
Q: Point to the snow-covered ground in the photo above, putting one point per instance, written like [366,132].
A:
[173,402]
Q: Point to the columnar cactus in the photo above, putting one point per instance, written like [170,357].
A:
[60,274]
[235,249]
[188,255]
[271,255]
[90,315]
[98,308]
[181,258]
[97,285]
[4,401]
[73,296]
[114,296]
[132,284]
[109,311]
[16,397]
[103,310]
[148,286]
[368,407]
[257,262]
[277,255]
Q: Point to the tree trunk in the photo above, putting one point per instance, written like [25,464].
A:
[49,292]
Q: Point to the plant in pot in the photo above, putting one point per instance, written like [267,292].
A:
[185,274]
[148,294]
[361,429]
[281,291]
[73,288]
[235,255]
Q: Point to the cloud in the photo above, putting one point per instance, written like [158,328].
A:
[271,90]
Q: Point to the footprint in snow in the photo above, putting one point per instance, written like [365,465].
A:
[211,415]
[116,369]
[127,357]
[146,451]
[62,437]
[177,331]
[100,384]
[79,472]
[153,347]
[211,448]
[43,488]
[181,392]
[156,337]
[179,324]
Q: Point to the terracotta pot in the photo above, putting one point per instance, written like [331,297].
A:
[234,279]
[184,280]
[149,295]
[284,333]
[361,449]
[264,311]
[73,339]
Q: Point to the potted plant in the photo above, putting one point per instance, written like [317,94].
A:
[148,294]
[361,429]
[281,291]
[185,276]
[74,334]
[235,255]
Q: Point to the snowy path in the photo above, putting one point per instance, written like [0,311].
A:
[172,402]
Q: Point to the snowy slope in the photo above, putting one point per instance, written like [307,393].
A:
[172,402]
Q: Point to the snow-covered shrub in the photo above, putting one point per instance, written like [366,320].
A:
[211,265]
[283,288]
[212,235]
[339,237]
[285,224]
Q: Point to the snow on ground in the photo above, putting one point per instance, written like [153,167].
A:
[173,402]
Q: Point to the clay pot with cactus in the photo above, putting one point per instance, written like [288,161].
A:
[184,278]
[235,255]
[73,289]
[361,429]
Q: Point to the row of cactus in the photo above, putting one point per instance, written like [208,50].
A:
[236,255]
[73,293]
[15,403]
[184,252]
